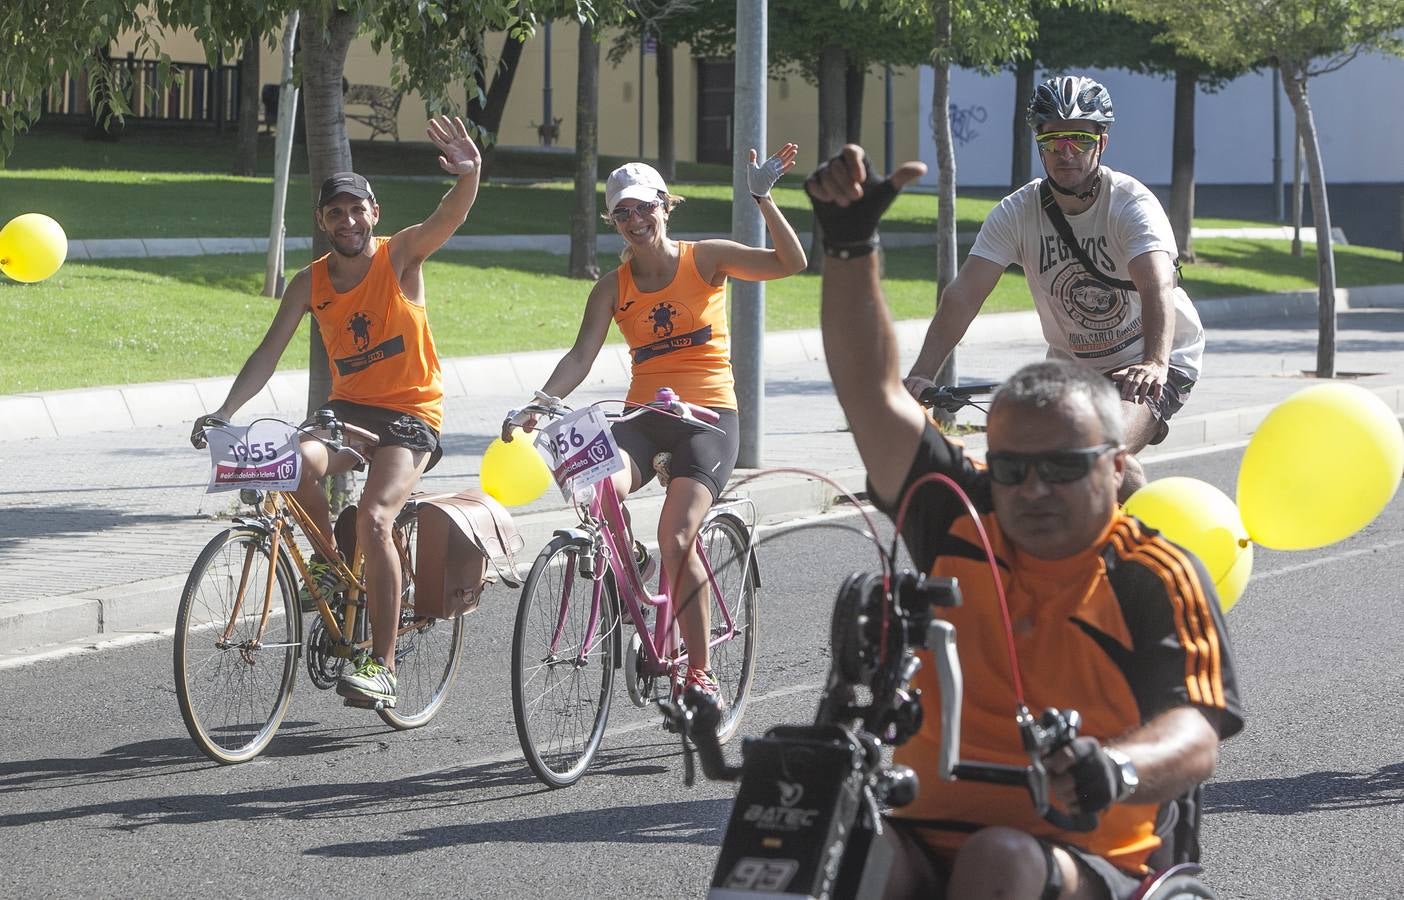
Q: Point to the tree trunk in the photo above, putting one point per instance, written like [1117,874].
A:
[1021,159]
[1294,81]
[833,129]
[587,112]
[501,87]
[324,45]
[667,145]
[854,78]
[946,168]
[1182,162]
[246,140]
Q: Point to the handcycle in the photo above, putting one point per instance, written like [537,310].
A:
[808,816]
[566,644]
[239,630]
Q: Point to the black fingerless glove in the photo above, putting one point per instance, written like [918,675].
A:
[851,231]
[1096,775]
[197,433]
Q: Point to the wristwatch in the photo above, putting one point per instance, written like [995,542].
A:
[1126,773]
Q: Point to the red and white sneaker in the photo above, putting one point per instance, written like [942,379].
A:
[707,681]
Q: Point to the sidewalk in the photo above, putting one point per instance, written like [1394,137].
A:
[104,508]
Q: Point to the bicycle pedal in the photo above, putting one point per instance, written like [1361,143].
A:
[365,703]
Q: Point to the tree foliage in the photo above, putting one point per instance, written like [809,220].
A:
[1302,38]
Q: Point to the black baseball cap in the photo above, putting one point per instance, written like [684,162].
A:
[345,183]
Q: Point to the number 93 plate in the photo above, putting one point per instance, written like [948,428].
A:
[581,451]
[263,455]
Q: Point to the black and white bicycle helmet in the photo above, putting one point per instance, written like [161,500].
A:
[1071,97]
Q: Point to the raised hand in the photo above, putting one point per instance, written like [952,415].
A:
[849,198]
[761,178]
[458,154]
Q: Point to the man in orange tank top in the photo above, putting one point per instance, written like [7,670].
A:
[368,299]
[1106,616]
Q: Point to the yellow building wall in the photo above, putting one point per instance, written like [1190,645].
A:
[792,105]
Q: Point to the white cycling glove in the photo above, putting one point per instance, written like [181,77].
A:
[761,178]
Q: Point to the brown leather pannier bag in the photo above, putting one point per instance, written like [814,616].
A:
[466,541]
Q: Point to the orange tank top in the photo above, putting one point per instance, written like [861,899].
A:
[677,336]
[378,342]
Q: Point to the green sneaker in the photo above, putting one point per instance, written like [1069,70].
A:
[371,682]
[328,583]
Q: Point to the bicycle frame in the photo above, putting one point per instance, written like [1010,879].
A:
[278,512]
[658,649]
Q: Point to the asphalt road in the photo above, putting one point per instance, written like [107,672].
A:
[102,793]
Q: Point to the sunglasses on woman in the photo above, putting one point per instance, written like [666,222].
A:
[643,208]
[1058,141]
[1054,467]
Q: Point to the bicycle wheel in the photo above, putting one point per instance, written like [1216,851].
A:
[562,676]
[427,651]
[234,691]
[725,540]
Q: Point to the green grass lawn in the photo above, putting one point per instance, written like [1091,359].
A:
[123,321]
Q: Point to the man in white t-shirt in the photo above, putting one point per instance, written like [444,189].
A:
[1115,308]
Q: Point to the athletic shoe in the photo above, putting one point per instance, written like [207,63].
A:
[328,583]
[707,681]
[371,682]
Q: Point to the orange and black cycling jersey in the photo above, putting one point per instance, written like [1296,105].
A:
[378,342]
[677,336]
[1120,632]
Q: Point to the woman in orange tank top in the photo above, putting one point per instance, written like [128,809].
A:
[669,299]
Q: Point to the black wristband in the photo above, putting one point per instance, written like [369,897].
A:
[850,251]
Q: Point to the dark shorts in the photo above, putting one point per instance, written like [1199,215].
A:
[1118,884]
[395,429]
[1173,395]
[698,453]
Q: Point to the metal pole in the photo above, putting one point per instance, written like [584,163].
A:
[282,158]
[1277,146]
[887,124]
[643,37]
[546,85]
[747,227]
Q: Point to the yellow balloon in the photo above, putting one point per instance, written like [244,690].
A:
[1203,520]
[32,247]
[1320,467]
[514,473]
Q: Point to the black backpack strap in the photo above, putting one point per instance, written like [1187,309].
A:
[1060,225]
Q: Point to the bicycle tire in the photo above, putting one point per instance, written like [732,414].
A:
[231,705]
[545,703]
[426,656]
[726,541]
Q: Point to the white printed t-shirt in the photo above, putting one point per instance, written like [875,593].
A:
[1084,319]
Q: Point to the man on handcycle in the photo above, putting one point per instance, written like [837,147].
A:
[367,297]
[1107,617]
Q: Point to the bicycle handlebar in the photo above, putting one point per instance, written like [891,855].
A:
[954,398]
[323,420]
[666,402]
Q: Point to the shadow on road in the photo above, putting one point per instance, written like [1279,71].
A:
[1310,792]
[688,822]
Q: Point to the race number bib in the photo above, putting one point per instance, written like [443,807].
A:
[581,452]
[263,455]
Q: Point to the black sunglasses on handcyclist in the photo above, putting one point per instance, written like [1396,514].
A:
[1053,467]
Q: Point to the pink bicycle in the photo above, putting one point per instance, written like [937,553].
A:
[567,643]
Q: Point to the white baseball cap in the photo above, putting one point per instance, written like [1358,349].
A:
[633,181]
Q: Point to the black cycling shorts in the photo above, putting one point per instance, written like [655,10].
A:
[1118,883]
[394,428]
[697,452]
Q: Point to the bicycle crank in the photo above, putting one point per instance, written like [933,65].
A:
[641,687]
[323,665]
